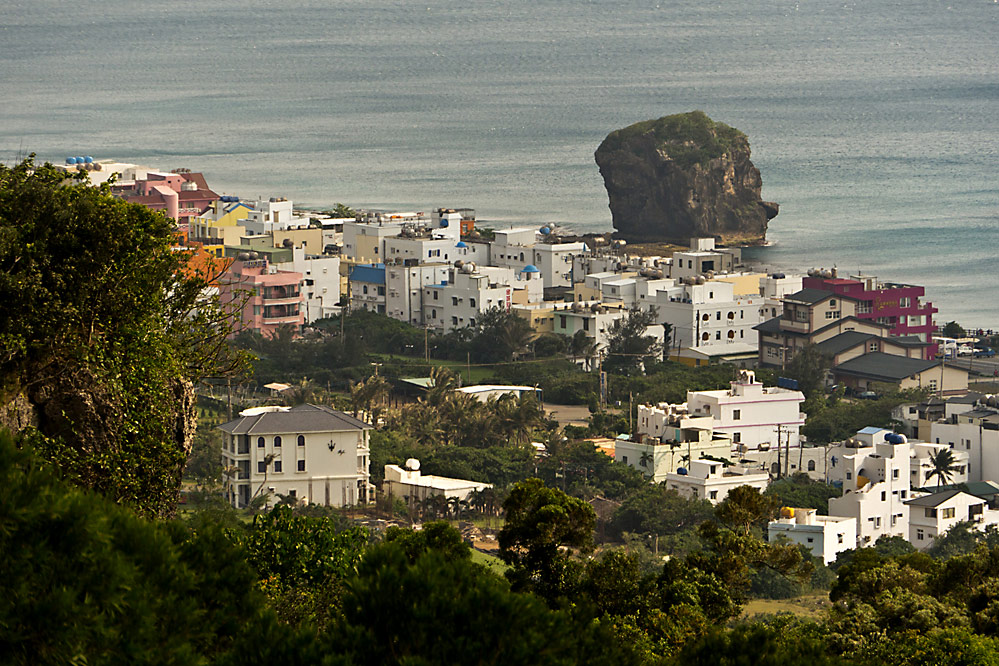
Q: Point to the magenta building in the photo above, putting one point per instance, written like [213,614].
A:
[896,305]
[272,297]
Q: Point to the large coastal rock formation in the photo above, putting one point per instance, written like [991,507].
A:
[680,177]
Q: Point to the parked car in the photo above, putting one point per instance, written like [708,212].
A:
[866,395]
[985,352]
[965,350]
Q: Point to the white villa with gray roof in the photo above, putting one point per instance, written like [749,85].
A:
[313,453]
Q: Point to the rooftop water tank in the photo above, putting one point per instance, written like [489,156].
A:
[546,230]
[461,244]
[682,471]
[88,159]
[70,160]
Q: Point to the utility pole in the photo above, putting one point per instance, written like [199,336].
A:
[426,343]
[778,453]
[468,366]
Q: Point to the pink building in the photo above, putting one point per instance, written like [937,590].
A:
[272,297]
[182,195]
[889,303]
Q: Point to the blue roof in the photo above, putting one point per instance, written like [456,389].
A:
[871,430]
[461,244]
[530,268]
[373,273]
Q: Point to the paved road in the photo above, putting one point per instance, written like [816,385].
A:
[978,366]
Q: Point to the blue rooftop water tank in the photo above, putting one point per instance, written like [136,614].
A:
[682,471]
[530,268]
[79,159]
[70,160]
[546,230]
[444,224]
[461,244]
[88,159]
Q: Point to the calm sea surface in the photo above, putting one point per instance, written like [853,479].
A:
[875,123]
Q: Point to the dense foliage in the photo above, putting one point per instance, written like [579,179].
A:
[103,332]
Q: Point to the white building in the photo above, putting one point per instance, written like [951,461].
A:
[710,480]
[485,392]
[320,285]
[932,515]
[409,484]
[668,439]
[921,465]
[367,288]
[270,215]
[874,473]
[707,314]
[971,429]
[703,257]
[753,415]
[404,285]
[554,260]
[469,291]
[310,452]
[824,536]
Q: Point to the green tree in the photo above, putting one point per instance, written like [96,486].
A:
[953,330]
[942,466]
[88,581]
[111,331]
[809,368]
[629,347]
[801,491]
[540,523]
[501,336]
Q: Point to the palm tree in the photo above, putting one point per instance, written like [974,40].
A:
[443,382]
[645,459]
[943,466]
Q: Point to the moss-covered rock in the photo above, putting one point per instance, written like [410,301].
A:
[683,176]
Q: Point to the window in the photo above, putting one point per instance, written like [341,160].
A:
[435,295]
[714,494]
[292,493]
[882,496]
[717,335]
[277,441]
[839,538]
[877,522]
[811,465]
[849,475]
[919,535]
[894,474]
[949,513]
[736,414]
[471,302]
[365,289]
[260,442]
[705,336]
[811,540]
[261,467]
[929,513]
[624,459]
[736,437]
[832,302]
[277,465]
[454,300]
[718,315]
[301,440]
[301,465]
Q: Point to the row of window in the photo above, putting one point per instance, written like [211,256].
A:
[731,335]
[277,441]
[731,315]
[278,467]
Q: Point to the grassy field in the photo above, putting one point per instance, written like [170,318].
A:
[472,375]
[494,564]
[810,606]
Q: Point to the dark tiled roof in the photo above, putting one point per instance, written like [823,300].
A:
[883,367]
[769,326]
[300,419]
[845,340]
[936,499]
[811,296]
[838,322]
[908,340]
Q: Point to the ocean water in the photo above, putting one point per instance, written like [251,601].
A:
[875,123]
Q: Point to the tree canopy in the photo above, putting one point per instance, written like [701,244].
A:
[104,330]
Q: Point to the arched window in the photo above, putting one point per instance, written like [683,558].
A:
[301,440]
[277,441]
[811,465]
[260,442]
[731,334]
[705,336]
